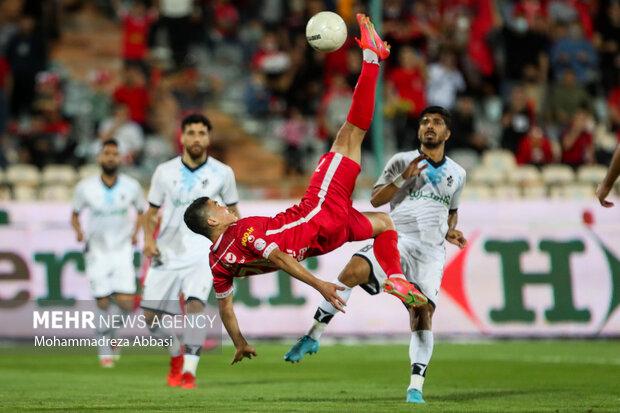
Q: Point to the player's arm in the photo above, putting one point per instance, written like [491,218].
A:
[227,313]
[382,194]
[290,265]
[150,220]
[454,236]
[77,227]
[612,174]
[136,229]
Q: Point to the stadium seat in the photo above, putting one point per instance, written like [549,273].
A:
[467,158]
[524,175]
[499,159]
[5,193]
[591,174]
[58,174]
[88,170]
[55,193]
[488,176]
[572,191]
[508,192]
[558,174]
[535,191]
[24,193]
[476,192]
[23,174]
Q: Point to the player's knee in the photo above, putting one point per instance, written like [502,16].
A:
[149,317]
[194,305]
[383,222]
[355,273]
[124,301]
[103,303]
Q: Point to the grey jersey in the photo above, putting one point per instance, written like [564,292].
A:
[420,208]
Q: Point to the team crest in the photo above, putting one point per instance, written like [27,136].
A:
[450,180]
[205,182]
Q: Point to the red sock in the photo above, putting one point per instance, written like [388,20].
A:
[386,252]
[363,105]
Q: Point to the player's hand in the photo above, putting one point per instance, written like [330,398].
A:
[242,352]
[151,250]
[454,236]
[601,193]
[329,291]
[414,168]
[134,238]
[79,235]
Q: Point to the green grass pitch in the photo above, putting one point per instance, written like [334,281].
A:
[523,376]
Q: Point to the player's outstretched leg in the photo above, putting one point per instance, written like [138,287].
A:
[385,249]
[348,141]
[356,272]
[420,350]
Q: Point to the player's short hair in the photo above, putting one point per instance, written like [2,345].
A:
[196,216]
[196,118]
[110,141]
[439,110]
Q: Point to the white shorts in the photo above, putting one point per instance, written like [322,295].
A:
[110,272]
[423,266]
[163,286]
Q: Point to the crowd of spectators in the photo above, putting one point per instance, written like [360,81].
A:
[540,78]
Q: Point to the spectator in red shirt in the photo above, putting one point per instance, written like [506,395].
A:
[613,104]
[136,25]
[134,94]
[578,140]
[5,78]
[535,148]
[407,91]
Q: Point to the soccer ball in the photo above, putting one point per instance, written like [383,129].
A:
[326,31]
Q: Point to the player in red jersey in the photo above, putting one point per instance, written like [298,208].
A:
[320,223]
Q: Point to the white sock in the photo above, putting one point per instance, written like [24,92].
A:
[326,312]
[370,56]
[159,332]
[103,324]
[420,352]
[190,363]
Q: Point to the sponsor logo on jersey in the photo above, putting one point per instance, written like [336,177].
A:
[246,236]
[445,199]
[260,244]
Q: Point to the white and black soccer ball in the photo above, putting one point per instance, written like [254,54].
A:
[326,31]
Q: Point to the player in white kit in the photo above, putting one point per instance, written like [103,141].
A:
[179,258]
[424,211]
[111,232]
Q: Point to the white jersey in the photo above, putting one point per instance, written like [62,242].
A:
[173,187]
[110,224]
[420,208]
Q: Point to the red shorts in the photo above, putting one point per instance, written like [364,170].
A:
[327,205]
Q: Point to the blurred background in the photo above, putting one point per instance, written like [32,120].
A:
[533,85]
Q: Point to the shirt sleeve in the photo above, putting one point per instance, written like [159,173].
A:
[223,286]
[229,190]
[393,168]
[79,200]
[156,191]
[454,203]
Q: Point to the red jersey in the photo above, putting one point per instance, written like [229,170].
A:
[135,34]
[137,100]
[320,223]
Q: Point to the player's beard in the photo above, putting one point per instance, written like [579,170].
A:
[109,170]
[196,152]
[432,143]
